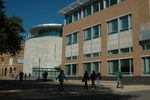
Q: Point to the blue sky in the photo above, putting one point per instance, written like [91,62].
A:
[35,12]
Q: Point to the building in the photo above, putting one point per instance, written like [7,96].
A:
[11,65]
[106,35]
[43,52]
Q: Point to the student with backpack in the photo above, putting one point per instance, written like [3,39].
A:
[61,78]
[119,77]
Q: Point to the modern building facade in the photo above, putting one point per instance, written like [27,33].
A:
[106,35]
[11,65]
[43,52]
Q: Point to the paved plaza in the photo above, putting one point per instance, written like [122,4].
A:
[11,89]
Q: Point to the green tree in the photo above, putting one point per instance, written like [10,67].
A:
[10,29]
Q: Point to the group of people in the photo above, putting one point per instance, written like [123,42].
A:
[97,77]
[21,76]
[94,76]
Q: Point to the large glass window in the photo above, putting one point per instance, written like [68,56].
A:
[113,66]
[124,65]
[71,70]
[92,66]
[146,65]
[67,70]
[87,67]
[96,66]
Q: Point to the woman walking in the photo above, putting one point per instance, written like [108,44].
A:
[61,78]
[86,78]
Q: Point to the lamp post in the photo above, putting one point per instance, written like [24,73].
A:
[39,69]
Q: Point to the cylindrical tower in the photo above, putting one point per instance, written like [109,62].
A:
[43,52]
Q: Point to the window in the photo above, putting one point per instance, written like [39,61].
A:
[96,31]
[146,65]
[74,57]
[72,38]
[87,67]
[87,34]
[87,55]
[68,40]
[124,25]
[126,50]
[124,65]
[120,24]
[68,69]
[112,2]
[113,66]
[91,66]
[92,32]
[101,5]
[96,54]
[75,16]
[75,37]
[113,52]
[68,58]
[87,10]
[113,26]
[96,66]
[146,47]
[95,6]
[68,18]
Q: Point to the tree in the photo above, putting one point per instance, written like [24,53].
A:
[10,28]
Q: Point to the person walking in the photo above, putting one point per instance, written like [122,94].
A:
[16,76]
[45,76]
[29,75]
[119,77]
[98,79]
[21,76]
[61,78]
[25,76]
[93,78]
[85,79]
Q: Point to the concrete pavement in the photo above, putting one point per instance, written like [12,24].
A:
[73,89]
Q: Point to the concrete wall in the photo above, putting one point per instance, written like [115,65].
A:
[48,49]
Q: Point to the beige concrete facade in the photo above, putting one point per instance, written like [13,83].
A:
[140,12]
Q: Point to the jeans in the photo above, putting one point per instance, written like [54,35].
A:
[99,82]
[119,83]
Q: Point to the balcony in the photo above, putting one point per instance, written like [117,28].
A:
[144,33]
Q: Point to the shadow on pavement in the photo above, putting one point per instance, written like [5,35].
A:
[34,90]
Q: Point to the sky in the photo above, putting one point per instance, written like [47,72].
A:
[36,12]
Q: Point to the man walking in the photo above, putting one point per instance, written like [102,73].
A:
[119,77]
